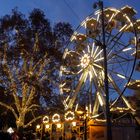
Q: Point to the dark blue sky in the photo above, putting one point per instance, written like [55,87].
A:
[72,11]
[59,10]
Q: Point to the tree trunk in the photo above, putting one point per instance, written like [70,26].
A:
[20,121]
[20,124]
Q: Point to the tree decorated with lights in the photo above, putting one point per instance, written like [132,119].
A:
[30,53]
[22,82]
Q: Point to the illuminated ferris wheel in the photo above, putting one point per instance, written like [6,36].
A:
[82,70]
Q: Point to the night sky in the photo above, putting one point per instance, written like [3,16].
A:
[72,11]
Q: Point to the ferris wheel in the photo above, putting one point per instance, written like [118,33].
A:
[82,70]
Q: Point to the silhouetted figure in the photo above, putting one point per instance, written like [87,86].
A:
[15,136]
[46,136]
[73,137]
[60,138]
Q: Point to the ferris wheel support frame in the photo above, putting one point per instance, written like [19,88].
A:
[108,120]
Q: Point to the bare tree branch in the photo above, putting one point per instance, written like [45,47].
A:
[28,124]
[10,108]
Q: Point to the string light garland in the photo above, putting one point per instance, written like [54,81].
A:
[45,119]
[56,118]
[69,116]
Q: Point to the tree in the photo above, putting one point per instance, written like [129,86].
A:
[30,56]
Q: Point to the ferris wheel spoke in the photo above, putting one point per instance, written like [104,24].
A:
[122,54]
[110,21]
[119,93]
[123,62]
[114,41]
[121,51]
[127,51]
[113,36]
[91,97]
[99,99]
[108,36]
[120,64]
[81,81]
[120,69]
[96,106]
[118,74]
[123,59]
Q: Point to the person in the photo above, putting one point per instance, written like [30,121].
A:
[38,136]
[73,137]
[15,136]
[60,138]
[46,136]
[78,137]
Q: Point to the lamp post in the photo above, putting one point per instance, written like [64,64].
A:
[85,127]
[108,121]
[39,130]
[47,126]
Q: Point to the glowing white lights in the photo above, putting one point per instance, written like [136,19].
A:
[95,116]
[90,108]
[100,99]
[69,116]
[107,15]
[59,125]
[111,17]
[127,49]
[90,65]
[67,98]
[102,58]
[76,107]
[56,118]
[38,126]
[74,124]
[10,130]
[47,126]
[122,28]
[45,119]
[121,76]
[90,60]
[85,60]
